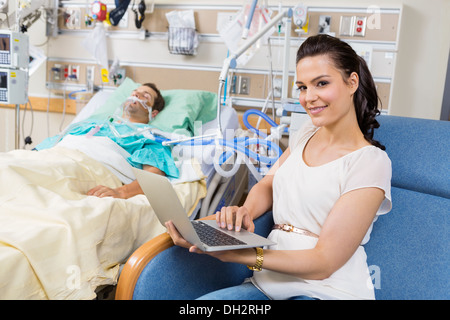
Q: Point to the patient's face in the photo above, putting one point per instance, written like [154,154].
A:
[145,93]
[135,111]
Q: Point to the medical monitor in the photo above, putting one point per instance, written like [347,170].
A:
[13,86]
[13,49]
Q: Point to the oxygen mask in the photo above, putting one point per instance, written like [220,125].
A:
[129,106]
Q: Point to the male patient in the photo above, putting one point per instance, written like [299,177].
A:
[136,112]
[144,104]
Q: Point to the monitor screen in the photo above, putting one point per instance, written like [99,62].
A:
[5,48]
[5,43]
[3,80]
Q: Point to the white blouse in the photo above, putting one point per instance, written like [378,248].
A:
[304,196]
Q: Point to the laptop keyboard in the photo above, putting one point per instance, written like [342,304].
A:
[214,237]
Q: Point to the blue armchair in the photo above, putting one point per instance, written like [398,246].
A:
[408,253]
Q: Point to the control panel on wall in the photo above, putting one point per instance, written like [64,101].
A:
[353,26]
[61,72]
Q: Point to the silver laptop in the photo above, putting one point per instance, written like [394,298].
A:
[205,234]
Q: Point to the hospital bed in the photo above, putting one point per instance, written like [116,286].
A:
[58,243]
[220,190]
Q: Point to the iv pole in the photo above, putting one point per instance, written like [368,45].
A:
[17,131]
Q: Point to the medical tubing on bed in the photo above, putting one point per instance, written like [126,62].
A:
[246,142]
[240,157]
[260,114]
[243,153]
[241,144]
[135,130]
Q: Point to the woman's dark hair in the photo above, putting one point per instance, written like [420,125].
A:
[159,101]
[347,61]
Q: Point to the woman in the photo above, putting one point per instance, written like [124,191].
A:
[330,184]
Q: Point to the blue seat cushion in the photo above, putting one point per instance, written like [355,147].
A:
[408,253]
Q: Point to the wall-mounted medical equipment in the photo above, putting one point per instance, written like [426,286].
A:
[4,6]
[299,15]
[13,86]
[139,14]
[14,62]
[13,49]
[26,12]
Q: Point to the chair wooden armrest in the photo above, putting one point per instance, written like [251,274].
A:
[136,263]
[139,259]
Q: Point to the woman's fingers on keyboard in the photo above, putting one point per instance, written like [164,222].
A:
[234,217]
[226,216]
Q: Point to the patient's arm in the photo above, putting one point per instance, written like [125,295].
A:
[126,191]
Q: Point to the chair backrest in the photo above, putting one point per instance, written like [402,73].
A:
[408,253]
[420,153]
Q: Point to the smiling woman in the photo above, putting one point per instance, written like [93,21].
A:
[328,186]
[326,57]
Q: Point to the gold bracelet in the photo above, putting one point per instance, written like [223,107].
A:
[259,260]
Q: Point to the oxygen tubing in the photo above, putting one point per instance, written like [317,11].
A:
[262,115]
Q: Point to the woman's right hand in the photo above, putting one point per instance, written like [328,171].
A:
[235,217]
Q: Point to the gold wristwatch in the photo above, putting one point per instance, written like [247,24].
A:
[259,260]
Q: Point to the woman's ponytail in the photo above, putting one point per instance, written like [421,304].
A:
[366,104]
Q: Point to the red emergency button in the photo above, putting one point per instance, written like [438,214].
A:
[359,22]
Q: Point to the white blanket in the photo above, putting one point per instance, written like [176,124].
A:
[58,243]
[111,155]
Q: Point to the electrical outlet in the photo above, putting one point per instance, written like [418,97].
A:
[360,27]
[346,26]
[90,78]
[72,18]
[74,72]
[60,72]
[353,26]
[244,85]
[56,72]
[65,71]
